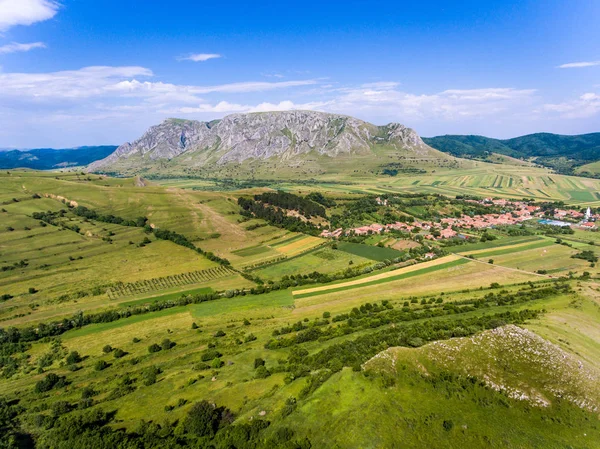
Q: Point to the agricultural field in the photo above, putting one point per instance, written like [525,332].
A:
[298,341]
[480,179]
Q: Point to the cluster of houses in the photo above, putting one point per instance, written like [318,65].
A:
[447,227]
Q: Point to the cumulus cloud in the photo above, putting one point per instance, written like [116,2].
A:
[16,47]
[200,57]
[587,105]
[579,65]
[25,12]
[107,84]
[228,108]
[386,99]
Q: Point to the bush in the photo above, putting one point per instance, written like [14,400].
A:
[60,408]
[220,333]
[119,353]
[194,326]
[210,354]
[32,291]
[262,372]
[154,348]
[167,344]
[73,358]
[100,365]
[448,425]
[258,362]
[150,375]
[49,382]
[106,349]
[203,419]
[217,363]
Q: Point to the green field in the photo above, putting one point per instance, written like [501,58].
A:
[450,352]
[370,252]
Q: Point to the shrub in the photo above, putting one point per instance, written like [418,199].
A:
[73,358]
[154,348]
[220,333]
[448,425]
[262,372]
[150,375]
[217,363]
[194,326]
[60,408]
[203,419]
[119,353]
[49,382]
[258,362]
[167,344]
[106,349]
[210,354]
[32,290]
[100,365]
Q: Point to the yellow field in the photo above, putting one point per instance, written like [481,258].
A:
[379,276]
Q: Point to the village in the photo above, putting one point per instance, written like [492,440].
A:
[516,213]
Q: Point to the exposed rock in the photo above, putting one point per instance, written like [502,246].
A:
[285,136]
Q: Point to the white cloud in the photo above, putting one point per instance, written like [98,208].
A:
[200,57]
[228,108]
[578,65]
[83,83]
[385,99]
[25,12]
[587,105]
[15,47]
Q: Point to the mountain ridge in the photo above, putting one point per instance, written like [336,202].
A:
[286,138]
[560,152]
[50,158]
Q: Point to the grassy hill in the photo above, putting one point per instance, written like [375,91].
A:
[560,152]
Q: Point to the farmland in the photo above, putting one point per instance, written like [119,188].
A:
[171,296]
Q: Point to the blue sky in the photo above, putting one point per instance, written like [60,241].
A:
[84,72]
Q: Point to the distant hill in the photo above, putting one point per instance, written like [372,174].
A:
[286,144]
[48,158]
[560,152]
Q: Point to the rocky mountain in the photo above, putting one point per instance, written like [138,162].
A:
[244,143]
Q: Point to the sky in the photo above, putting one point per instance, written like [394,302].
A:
[89,72]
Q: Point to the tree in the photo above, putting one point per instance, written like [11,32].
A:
[73,358]
[203,419]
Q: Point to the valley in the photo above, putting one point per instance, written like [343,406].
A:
[148,296]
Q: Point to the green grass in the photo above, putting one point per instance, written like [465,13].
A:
[500,251]
[166,297]
[422,271]
[251,251]
[369,252]
[323,260]
[494,243]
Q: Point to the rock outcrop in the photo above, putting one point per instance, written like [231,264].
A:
[285,136]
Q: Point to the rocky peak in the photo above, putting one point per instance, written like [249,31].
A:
[260,136]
